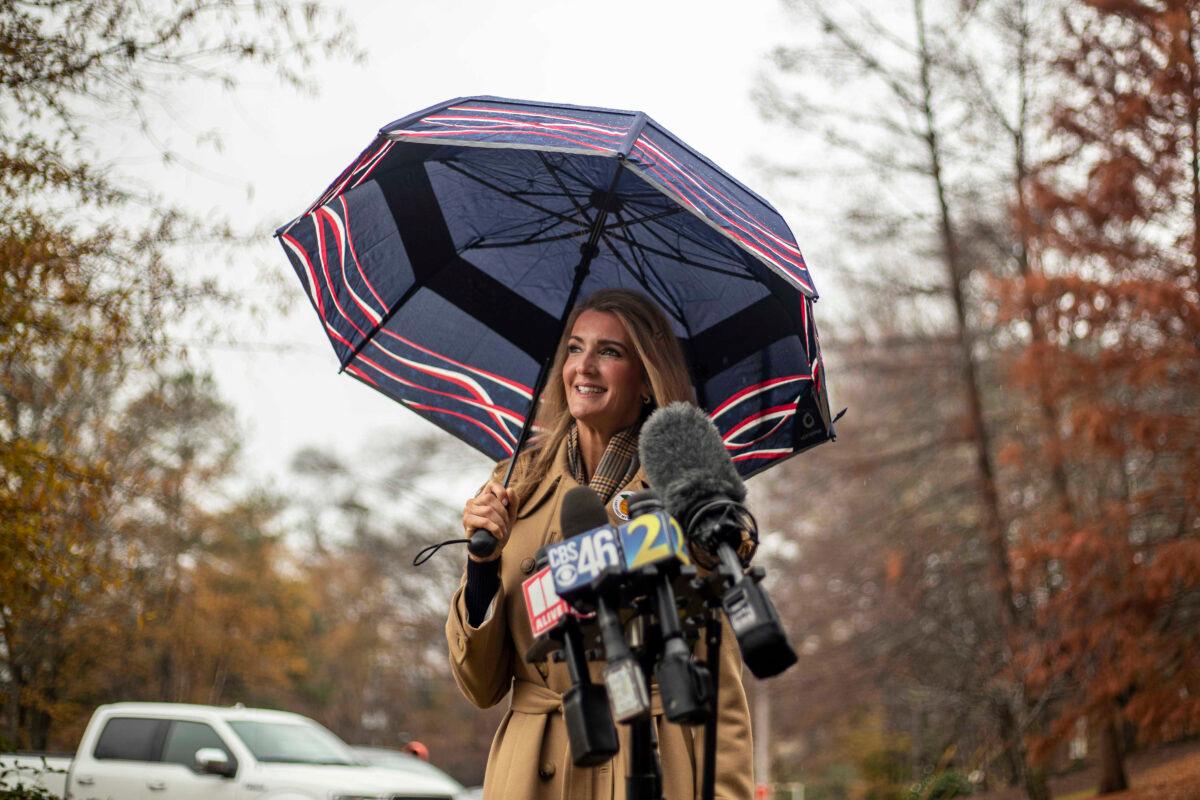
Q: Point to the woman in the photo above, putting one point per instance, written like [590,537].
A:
[617,360]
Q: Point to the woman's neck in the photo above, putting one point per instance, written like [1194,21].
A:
[592,444]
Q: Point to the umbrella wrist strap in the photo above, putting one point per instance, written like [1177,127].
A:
[428,552]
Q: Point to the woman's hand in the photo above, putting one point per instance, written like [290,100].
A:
[490,510]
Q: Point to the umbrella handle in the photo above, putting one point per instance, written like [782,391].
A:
[482,543]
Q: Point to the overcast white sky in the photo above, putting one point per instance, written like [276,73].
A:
[692,66]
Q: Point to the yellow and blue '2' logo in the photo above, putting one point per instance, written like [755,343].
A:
[652,538]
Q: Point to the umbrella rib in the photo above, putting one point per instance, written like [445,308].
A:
[532,238]
[672,251]
[554,174]
[481,243]
[652,217]
[548,212]
[702,245]
[716,254]
[565,192]
[669,303]
[711,249]
[647,271]
[634,255]
[682,259]
[649,195]
[676,253]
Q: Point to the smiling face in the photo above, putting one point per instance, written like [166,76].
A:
[602,374]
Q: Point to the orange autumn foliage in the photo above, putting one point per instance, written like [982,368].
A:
[1114,216]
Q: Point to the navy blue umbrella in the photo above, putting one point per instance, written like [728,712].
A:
[444,260]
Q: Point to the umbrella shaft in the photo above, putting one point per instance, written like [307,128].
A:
[588,251]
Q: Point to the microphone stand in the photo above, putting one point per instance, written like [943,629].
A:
[644,781]
[712,641]
[710,590]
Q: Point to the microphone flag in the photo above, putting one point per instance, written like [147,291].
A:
[544,606]
[587,558]
[650,538]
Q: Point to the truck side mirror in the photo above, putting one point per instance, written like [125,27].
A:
[213,761]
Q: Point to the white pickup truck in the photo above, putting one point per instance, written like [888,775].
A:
[171,751]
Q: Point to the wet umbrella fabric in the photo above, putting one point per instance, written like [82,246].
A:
[444,260]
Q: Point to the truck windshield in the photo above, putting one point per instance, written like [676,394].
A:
[280,742]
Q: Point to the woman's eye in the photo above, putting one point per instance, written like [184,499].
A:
[573,348]
[608,351]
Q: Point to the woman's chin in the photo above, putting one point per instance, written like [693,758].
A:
[600,420]
[586,417]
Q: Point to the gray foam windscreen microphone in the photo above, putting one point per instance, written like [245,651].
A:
[685,459]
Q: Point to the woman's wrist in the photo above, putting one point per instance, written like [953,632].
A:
[483,581]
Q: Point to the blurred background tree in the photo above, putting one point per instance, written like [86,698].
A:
[924,585]
[89,296]
[1005,538]
[1114,299]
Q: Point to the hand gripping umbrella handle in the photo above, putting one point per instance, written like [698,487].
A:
[482,543]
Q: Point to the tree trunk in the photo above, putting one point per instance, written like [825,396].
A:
[39,729]
[1112,758]
[1032,779]
[1194,123]
[955,278]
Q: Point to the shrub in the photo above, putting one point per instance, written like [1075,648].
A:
[942,786]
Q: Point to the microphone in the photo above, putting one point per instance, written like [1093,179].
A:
[585,568]
[590,730]
[654,546]
[686,460]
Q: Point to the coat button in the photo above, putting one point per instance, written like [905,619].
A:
[546,770]
[527,566]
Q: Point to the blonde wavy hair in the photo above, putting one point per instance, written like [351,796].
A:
[663,366]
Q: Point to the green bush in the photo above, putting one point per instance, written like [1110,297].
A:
[942,786]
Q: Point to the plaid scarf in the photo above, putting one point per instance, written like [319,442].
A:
[617,466]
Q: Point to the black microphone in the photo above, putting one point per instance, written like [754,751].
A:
[594,571]
[590,730]
[685,685]
[686,461]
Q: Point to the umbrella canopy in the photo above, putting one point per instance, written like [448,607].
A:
[444,260]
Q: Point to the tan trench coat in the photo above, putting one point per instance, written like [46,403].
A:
[530,757]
